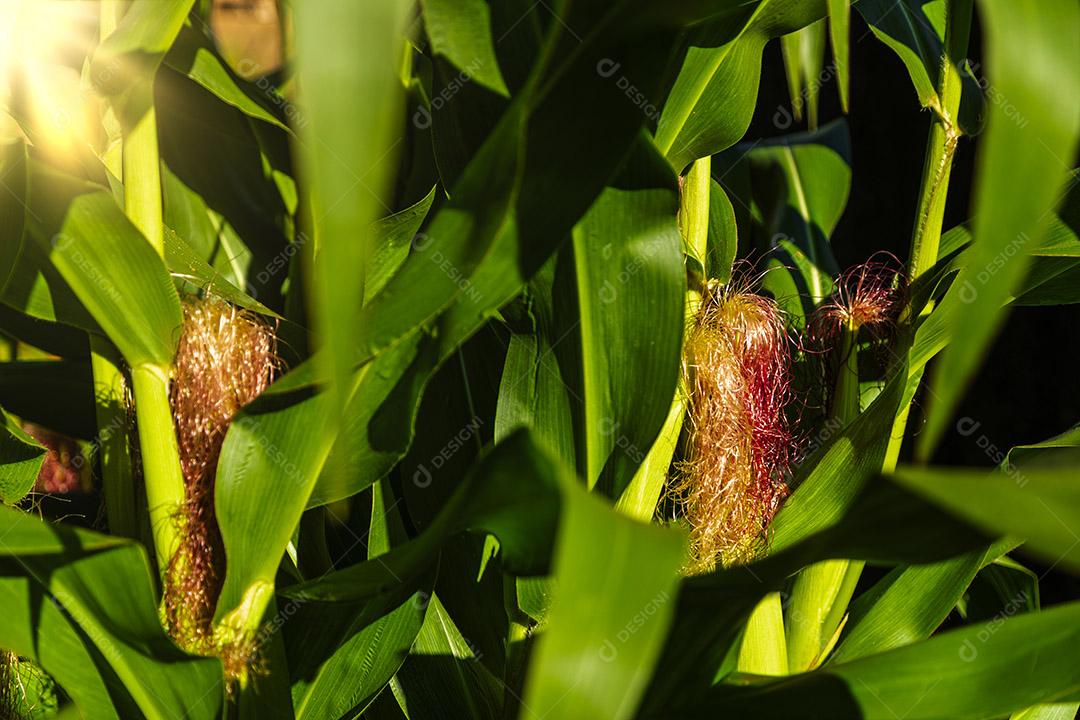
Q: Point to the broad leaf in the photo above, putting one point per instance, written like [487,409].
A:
[804,56]
[134,49]
[946,676]
[460,31]
[909,603]
[444,675]
[513,494]
[20,460]
[839,31]
[369,644]
[118,277]
[106,588]
[905,28]
[712,101]
[610,614]
[347,53]
[798,187]
[606,321]
[1041,505]
[880,523]
[194,55]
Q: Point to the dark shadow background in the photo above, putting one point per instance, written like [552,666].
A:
[1028,388]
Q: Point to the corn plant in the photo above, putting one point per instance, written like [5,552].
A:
[478,363]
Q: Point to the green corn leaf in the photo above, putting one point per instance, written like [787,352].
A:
[341,656]
[444,675]
[907,30]
[347,154]
[272,454]
[42,633]
[194,55]
[1054,259]
[712,101]
[186,265]
[910,603]
[1056,711]
[640,498]
[915,31]
[723,234]
[12,206]
[513,494]
[394,237]
[946,676]
[839,37]
[828,481]
[1058,450]
[283,444]
[26,535]
[804,57]
[106,587]
[35,287]
[228,185]
[799,185]
[572,375]
[460,31]
[20,460]
[379,419]
[368,647]
[118,277]
[630,294]
[446,254]
[880,523]
[610,613]
[135,48]
[1037,504]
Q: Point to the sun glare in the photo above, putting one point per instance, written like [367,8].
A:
[43,48]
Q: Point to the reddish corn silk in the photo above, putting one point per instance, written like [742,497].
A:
[869,296]
[226,357]
[737,368]
[866,302]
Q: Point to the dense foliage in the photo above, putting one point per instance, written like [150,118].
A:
[478,364]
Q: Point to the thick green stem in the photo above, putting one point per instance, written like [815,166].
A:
[157,437]
[142,164]
[940,148]
[941,144]
[112,445]
[160,458]
[694,212]
[926,236]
